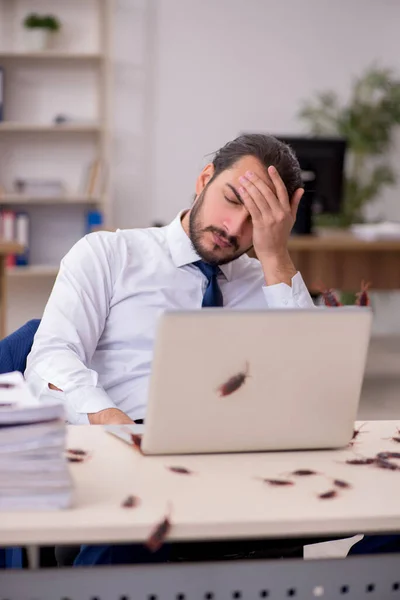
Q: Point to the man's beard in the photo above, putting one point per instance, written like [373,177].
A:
[196,231]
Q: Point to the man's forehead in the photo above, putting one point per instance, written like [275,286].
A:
[247,163]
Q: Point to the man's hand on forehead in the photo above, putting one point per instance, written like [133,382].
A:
[272,213]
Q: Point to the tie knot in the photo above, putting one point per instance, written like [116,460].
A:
[208,270]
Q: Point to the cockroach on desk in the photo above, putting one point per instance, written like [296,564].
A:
[362,296]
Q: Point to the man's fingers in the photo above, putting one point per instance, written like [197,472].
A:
[280,187]
[249,203]
[263,196]
[297,196]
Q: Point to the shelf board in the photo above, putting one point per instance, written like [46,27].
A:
[15,127]
[39,200]
[33,271]
[51,55]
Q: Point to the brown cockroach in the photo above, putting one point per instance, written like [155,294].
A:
[75,459]
[76,452]
[328,495]
[278,482]
[131,502]
[159,534]
[362,296]
[341,484]
[7,386]
[396,439]
[360,461]
[136,440]
[386,464]
[234,382]
[180,470]
[356,432]
[386,455]
[304,472]
[330,297]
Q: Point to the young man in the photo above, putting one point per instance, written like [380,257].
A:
[93,348]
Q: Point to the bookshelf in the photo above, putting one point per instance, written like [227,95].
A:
[74,79]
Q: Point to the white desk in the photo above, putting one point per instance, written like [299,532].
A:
[222,499]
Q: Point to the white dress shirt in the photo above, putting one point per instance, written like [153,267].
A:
[95,341]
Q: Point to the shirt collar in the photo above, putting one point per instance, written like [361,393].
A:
[181,248]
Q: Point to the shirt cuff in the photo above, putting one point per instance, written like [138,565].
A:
[282,295]
[89,399]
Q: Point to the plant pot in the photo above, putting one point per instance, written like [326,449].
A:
[38,39]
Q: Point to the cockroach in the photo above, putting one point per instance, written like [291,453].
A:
[7,386]
[278,482]
[234,382]
[75,459]
[77,452]
[341,484]
[328,495]
[159,534]
[180,470]
[384,455]
[362,296]
[136,440]
[356,432]
[304,472]
[386,464]
[130,502]
[396,439]
[330,298]
[389,454]
[360,461]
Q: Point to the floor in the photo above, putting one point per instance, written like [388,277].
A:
[380,399]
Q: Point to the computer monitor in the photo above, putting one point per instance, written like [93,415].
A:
[322,163]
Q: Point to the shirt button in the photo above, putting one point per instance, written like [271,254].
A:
[285,301]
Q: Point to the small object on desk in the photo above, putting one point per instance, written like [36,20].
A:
[76,451]
[328,495]
[341,484]
[180,470]
[131,502]
[386,455]
[304,473]
[362,296]
[330,297]
[278,482]
[386,464]
[136,439]
[360,461]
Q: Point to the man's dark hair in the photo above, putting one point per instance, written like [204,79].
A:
[269,151]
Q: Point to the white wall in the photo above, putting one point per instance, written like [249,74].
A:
[226,66]
[192,74]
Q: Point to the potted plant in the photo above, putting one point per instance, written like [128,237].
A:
[367,122]
[40,31]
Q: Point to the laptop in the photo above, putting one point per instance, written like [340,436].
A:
[239,381]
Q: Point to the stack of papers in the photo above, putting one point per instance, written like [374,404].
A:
[34,472]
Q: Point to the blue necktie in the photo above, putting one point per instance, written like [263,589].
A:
[212,295]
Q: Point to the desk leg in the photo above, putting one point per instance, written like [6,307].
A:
[3,296]
[356,578]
